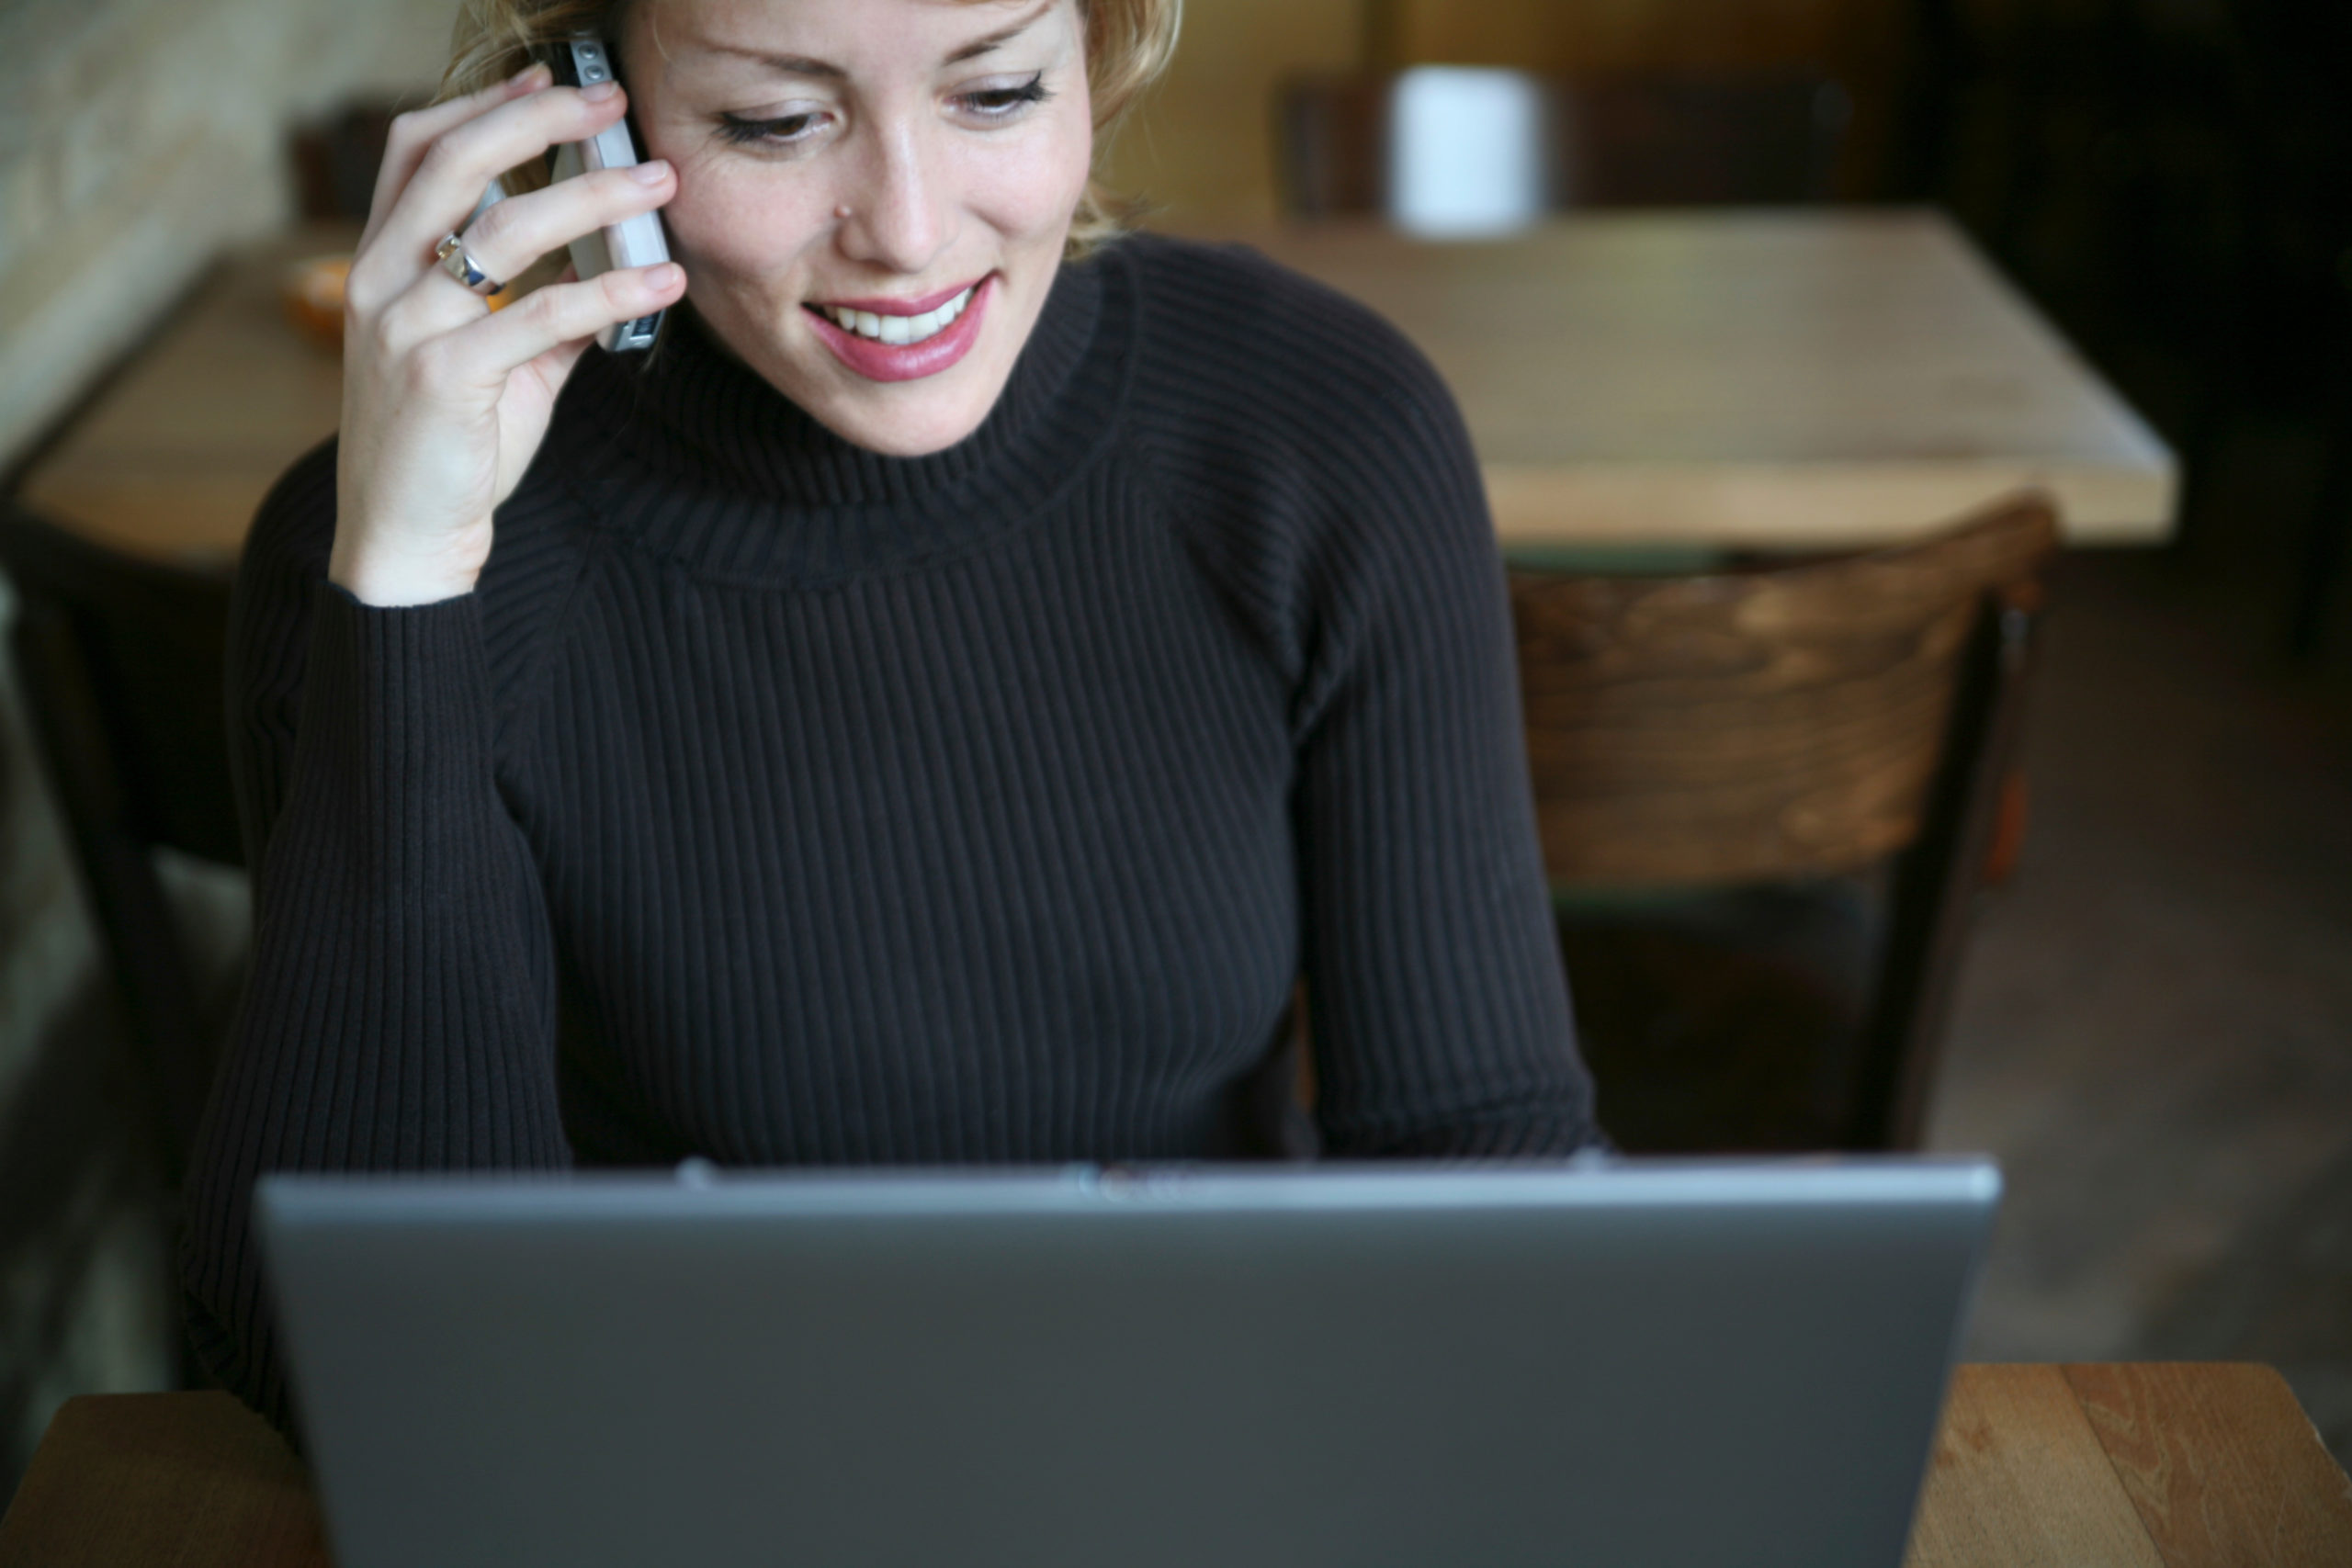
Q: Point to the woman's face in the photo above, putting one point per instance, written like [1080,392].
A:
[849,168]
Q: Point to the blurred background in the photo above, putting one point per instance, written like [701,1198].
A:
[2154,1025]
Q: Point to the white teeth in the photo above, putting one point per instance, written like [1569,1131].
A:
[898,329]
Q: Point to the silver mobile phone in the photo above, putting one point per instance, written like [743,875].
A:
[579,62]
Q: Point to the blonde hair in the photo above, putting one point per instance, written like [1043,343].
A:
[1128,43]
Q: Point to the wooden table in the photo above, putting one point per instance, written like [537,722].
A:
[2146,1465]
[172,456]
[1762,379]
[1726,379]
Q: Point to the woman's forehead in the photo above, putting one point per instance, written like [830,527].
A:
[747,22]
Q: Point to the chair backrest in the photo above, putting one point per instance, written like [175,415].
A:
[1797,721]
[335,156]
[122,663]
[1753,725]
[1400,142]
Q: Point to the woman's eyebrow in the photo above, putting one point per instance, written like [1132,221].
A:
[782,64]
[981,46]
[807,65]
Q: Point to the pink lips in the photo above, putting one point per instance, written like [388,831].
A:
[879,361]
[914,307]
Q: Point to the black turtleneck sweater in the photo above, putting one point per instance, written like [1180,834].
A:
[778,802]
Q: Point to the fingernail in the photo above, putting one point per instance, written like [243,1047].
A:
[649,174]
[529,75]
[663,274]
[597,92]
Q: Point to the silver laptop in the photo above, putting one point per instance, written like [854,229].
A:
[1684,1365]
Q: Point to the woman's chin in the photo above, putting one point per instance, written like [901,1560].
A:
[902,419]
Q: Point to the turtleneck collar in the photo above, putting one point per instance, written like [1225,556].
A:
[700,458]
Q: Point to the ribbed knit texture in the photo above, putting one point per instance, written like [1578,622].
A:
[778,802]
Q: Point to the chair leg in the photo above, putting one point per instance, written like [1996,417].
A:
[2009,824]
[2325,541]
[1936,880]
[134,920]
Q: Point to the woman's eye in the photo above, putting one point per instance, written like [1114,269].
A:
[1002,103]
[779,131]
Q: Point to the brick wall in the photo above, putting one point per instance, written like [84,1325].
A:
[137,137]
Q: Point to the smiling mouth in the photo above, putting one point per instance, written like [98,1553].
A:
[909,339]
[897,330]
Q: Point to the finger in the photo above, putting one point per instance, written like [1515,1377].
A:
[413,133]
[457,164]
[508,238]
[482,355]
[569,312]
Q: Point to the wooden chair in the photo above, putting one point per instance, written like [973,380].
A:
[1604,140]
[335,156]
[123,665]
[1800,723]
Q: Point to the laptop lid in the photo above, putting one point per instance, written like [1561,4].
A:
[1695,1364]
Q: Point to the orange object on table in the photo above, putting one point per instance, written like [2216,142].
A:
[312,294]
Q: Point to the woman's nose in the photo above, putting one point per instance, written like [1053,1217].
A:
[899,212]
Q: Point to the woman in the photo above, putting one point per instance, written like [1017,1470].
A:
[936,710]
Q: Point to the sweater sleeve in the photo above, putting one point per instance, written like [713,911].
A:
[1327,486]
[1438,1002]
[1440,1015]
[400,1011]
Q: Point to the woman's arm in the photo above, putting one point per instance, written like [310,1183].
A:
[1320,474]
[1441,1014]
[399,1009]
[401,1004]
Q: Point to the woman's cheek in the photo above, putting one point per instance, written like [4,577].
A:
[1034,189]
[728,230]
[1077,147]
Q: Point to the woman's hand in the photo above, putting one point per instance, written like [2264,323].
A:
[444,403]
